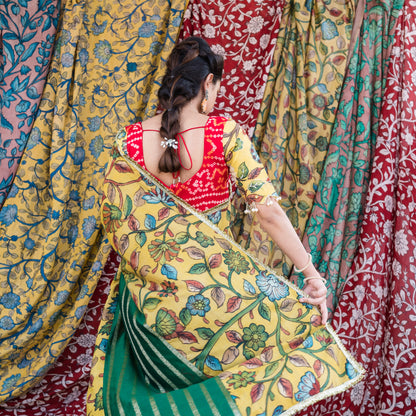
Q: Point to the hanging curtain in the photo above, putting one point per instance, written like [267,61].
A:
[27,36]
[245,34]
[332,230]
[376,315]
[300,100]
[107,62]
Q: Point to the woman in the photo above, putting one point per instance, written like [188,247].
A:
[195,325]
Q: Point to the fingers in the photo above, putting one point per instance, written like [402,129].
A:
[321,302]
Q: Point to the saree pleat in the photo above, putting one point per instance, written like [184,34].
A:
[300,100]
[377,309]
[28,32]
[245,34]
[332,230]
[107,62]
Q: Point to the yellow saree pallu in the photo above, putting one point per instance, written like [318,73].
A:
[198,325]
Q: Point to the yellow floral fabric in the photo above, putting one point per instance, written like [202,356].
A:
[108,60]
[211,301]
[300,101]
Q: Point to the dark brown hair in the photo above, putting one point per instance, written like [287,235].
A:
[189,63]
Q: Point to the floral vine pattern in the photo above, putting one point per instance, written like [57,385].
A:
[332,231]
[52,249]
[245,34]
[28,33]
[376,314]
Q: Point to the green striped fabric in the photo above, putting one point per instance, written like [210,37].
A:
[145,376]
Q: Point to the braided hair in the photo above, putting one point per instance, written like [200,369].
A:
[189,63]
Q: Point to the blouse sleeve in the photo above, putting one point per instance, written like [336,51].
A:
[246,168]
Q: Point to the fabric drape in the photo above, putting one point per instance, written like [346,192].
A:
[376,313]
[28,33]
[300,101]
[333,226]
[52,248]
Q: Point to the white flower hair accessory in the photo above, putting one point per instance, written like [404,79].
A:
[169,143]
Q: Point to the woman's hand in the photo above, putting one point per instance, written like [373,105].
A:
[315,290]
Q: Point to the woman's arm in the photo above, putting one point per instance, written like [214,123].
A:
[277,225]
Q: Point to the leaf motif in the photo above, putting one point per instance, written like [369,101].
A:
[316,320]
[234,336]
[122,167]
[205,333]
[181,221]
[194,253]
[318,368]
[224,244]
[270,369]
[185,316]
[150,222]
[163,213]
[267,354]
[230,355]
[182,237]
[169,271]
[141,238]
[133,223]
[213,363]
[194,286]
[249,288]
[256,392]
[187,337]
[214,261]
[123,243]
[254,173]
[287,304]
[285,387]
[242,171]
[233,304]
[134,260]
[127,206]
[111,193]
[218,296]
[151,303]
[264,311]
[300,329]
[298,361]
[253,363]
[331,352]
[138,198]
[198,268]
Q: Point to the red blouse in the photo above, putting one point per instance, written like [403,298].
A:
[209,186]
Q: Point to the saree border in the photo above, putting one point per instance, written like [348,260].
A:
[122,147]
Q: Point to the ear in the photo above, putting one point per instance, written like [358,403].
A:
[208,81]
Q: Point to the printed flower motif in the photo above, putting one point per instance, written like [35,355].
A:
[147,29]
[29,243]
[103,51]
[308,342]
[10,382]
[67,59]
[6,323]
[167,324]
[203,239]
[278,411]
[83,57]
[168,288]
[271,286]
[96,146]
[88,226]
[319,101]
[72,234]
[8,214]
[111,218]
[255,336]
[308,386]
[94,123]
[255,24]
[235,261]
[10,300]
[329,30]
[156,48]
[241,379]
[155,197]
[163,251]
[324,337]
[198,305]
[79,155]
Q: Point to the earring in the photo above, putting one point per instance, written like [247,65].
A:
[204,103]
